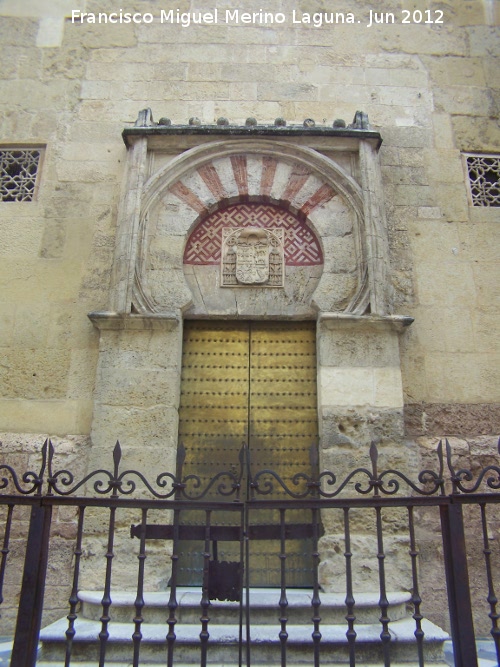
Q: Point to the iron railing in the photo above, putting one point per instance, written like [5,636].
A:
[241,492]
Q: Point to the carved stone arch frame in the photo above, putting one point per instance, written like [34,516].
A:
[323,168]
[363,198]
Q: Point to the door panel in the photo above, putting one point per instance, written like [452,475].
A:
[249,383]
[283,413]
[213,417]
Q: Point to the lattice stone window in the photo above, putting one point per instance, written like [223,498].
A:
[484,179]
[19,169]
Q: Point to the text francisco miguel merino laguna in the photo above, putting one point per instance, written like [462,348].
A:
[227,16]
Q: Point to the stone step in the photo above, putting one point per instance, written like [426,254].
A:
[264,607]
[223,643]
[61,663]
[324,663]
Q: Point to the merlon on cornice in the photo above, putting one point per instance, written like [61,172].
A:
[145,126]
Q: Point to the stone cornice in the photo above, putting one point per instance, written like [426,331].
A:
[242,131]
[396,323]
[146,127]
[106,320]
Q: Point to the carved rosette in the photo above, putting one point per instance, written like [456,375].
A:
[252,256]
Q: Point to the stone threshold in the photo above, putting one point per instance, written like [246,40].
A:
[259,597]
[402,631]
[324,663]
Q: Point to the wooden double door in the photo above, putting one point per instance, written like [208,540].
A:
[249,383]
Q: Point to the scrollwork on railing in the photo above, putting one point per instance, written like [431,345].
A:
[431,481]
[262,483]
[106,482]
[33,480]
[465,475]
[167,485]
[227,484]
[266,487]
[387,482]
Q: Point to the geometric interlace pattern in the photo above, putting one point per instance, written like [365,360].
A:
[18,171]
[484,179]
[300,243]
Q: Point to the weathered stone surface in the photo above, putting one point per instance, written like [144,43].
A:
[292,301]
[35,373]
[482,134]
[22,451]
[152,427]
[456,419]
[365,568]
[168,290]
[351,348]
[365,386]
[357,427]
[335,291]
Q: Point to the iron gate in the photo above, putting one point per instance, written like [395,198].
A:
[42,499]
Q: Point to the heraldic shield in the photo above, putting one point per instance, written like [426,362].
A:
[252,256]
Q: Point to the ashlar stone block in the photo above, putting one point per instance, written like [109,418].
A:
[168,289]
[365,572]
[35,373]
[335,291]
[358,386]
[348,347]
[346,433]
[148,427]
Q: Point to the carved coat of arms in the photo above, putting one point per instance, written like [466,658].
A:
[252,256]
